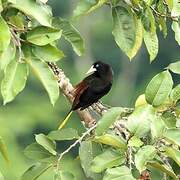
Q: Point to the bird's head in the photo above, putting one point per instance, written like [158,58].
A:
[102,70]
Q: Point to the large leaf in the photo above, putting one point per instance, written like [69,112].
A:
[176,8]
[63,134]
[175,93]
[135,142]
[118,173]
[86,153]
[127,30]
[37,152]
[175,67]
[162,167]
[144,154]
[39,12]
[108,119]
[35,171]
[14,80]
[7,56]
[71,34]
[112,140]
[64,175]
[5,35]
[173,135]
[86,6]
[109,158]
[159,88]
[169,119]
[3,149]
[176,28]
[150,36]
[48,53]
[139,121]
[173,153]
[42,35]
[45,75]
[47,143]
[1,176]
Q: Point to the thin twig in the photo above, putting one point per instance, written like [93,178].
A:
[74,144]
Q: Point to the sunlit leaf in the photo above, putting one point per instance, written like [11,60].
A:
[17,21]
[5,35]
[48,53]
[139,121]
[173,135]
[108,119]
[176,28]
[176,8]
[71,34]
[35,171]
[118,173]
[45,75]
[39,12]
[159,88]
[127,30]
[63,134]
[175,94]
[86,153]
[86,6]
[14,80]
[1,7]
[1,176]
[141,100]
[109,158]
[135,142]
[173,153]
[42,35]
[47,143]
[162,167]
[144,154]
[112,140]
[3,149]
[175,67]
[7,56]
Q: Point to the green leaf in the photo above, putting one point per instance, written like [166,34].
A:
[42,35]
[1,176]
[3,149]
[37,152]
[139,121]
[176,8]
[135,142]
[175,93]
[5,35]
[63,134]
[127,30]
[45,75]
[1,7]
[48,53]
[39,12]
[174,67]
[169,119]
[14,80]
[35,171]
[47,143]
[159,88]
[112,140]
[157,127]
[86,153]
[144,155]
[86,6]
[107,159]
[71,34]
[162,167]
[17,21]
[7,56]
[173,154]
[176,28]
[64,175]
[108,119]
[173,135]
[118,173]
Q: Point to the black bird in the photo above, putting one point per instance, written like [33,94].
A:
[91,88]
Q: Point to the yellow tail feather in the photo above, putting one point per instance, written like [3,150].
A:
[65,120]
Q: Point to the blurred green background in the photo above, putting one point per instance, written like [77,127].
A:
[31,112]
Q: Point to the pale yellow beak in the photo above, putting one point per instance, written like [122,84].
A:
[91,70]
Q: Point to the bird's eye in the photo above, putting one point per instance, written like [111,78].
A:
[97,65]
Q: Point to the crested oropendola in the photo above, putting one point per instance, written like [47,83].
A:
[91,88]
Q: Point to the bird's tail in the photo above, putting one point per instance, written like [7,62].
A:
[65,120]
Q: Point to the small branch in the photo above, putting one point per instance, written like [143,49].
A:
[74,144]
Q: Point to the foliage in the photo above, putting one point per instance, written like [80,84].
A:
[28,40]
